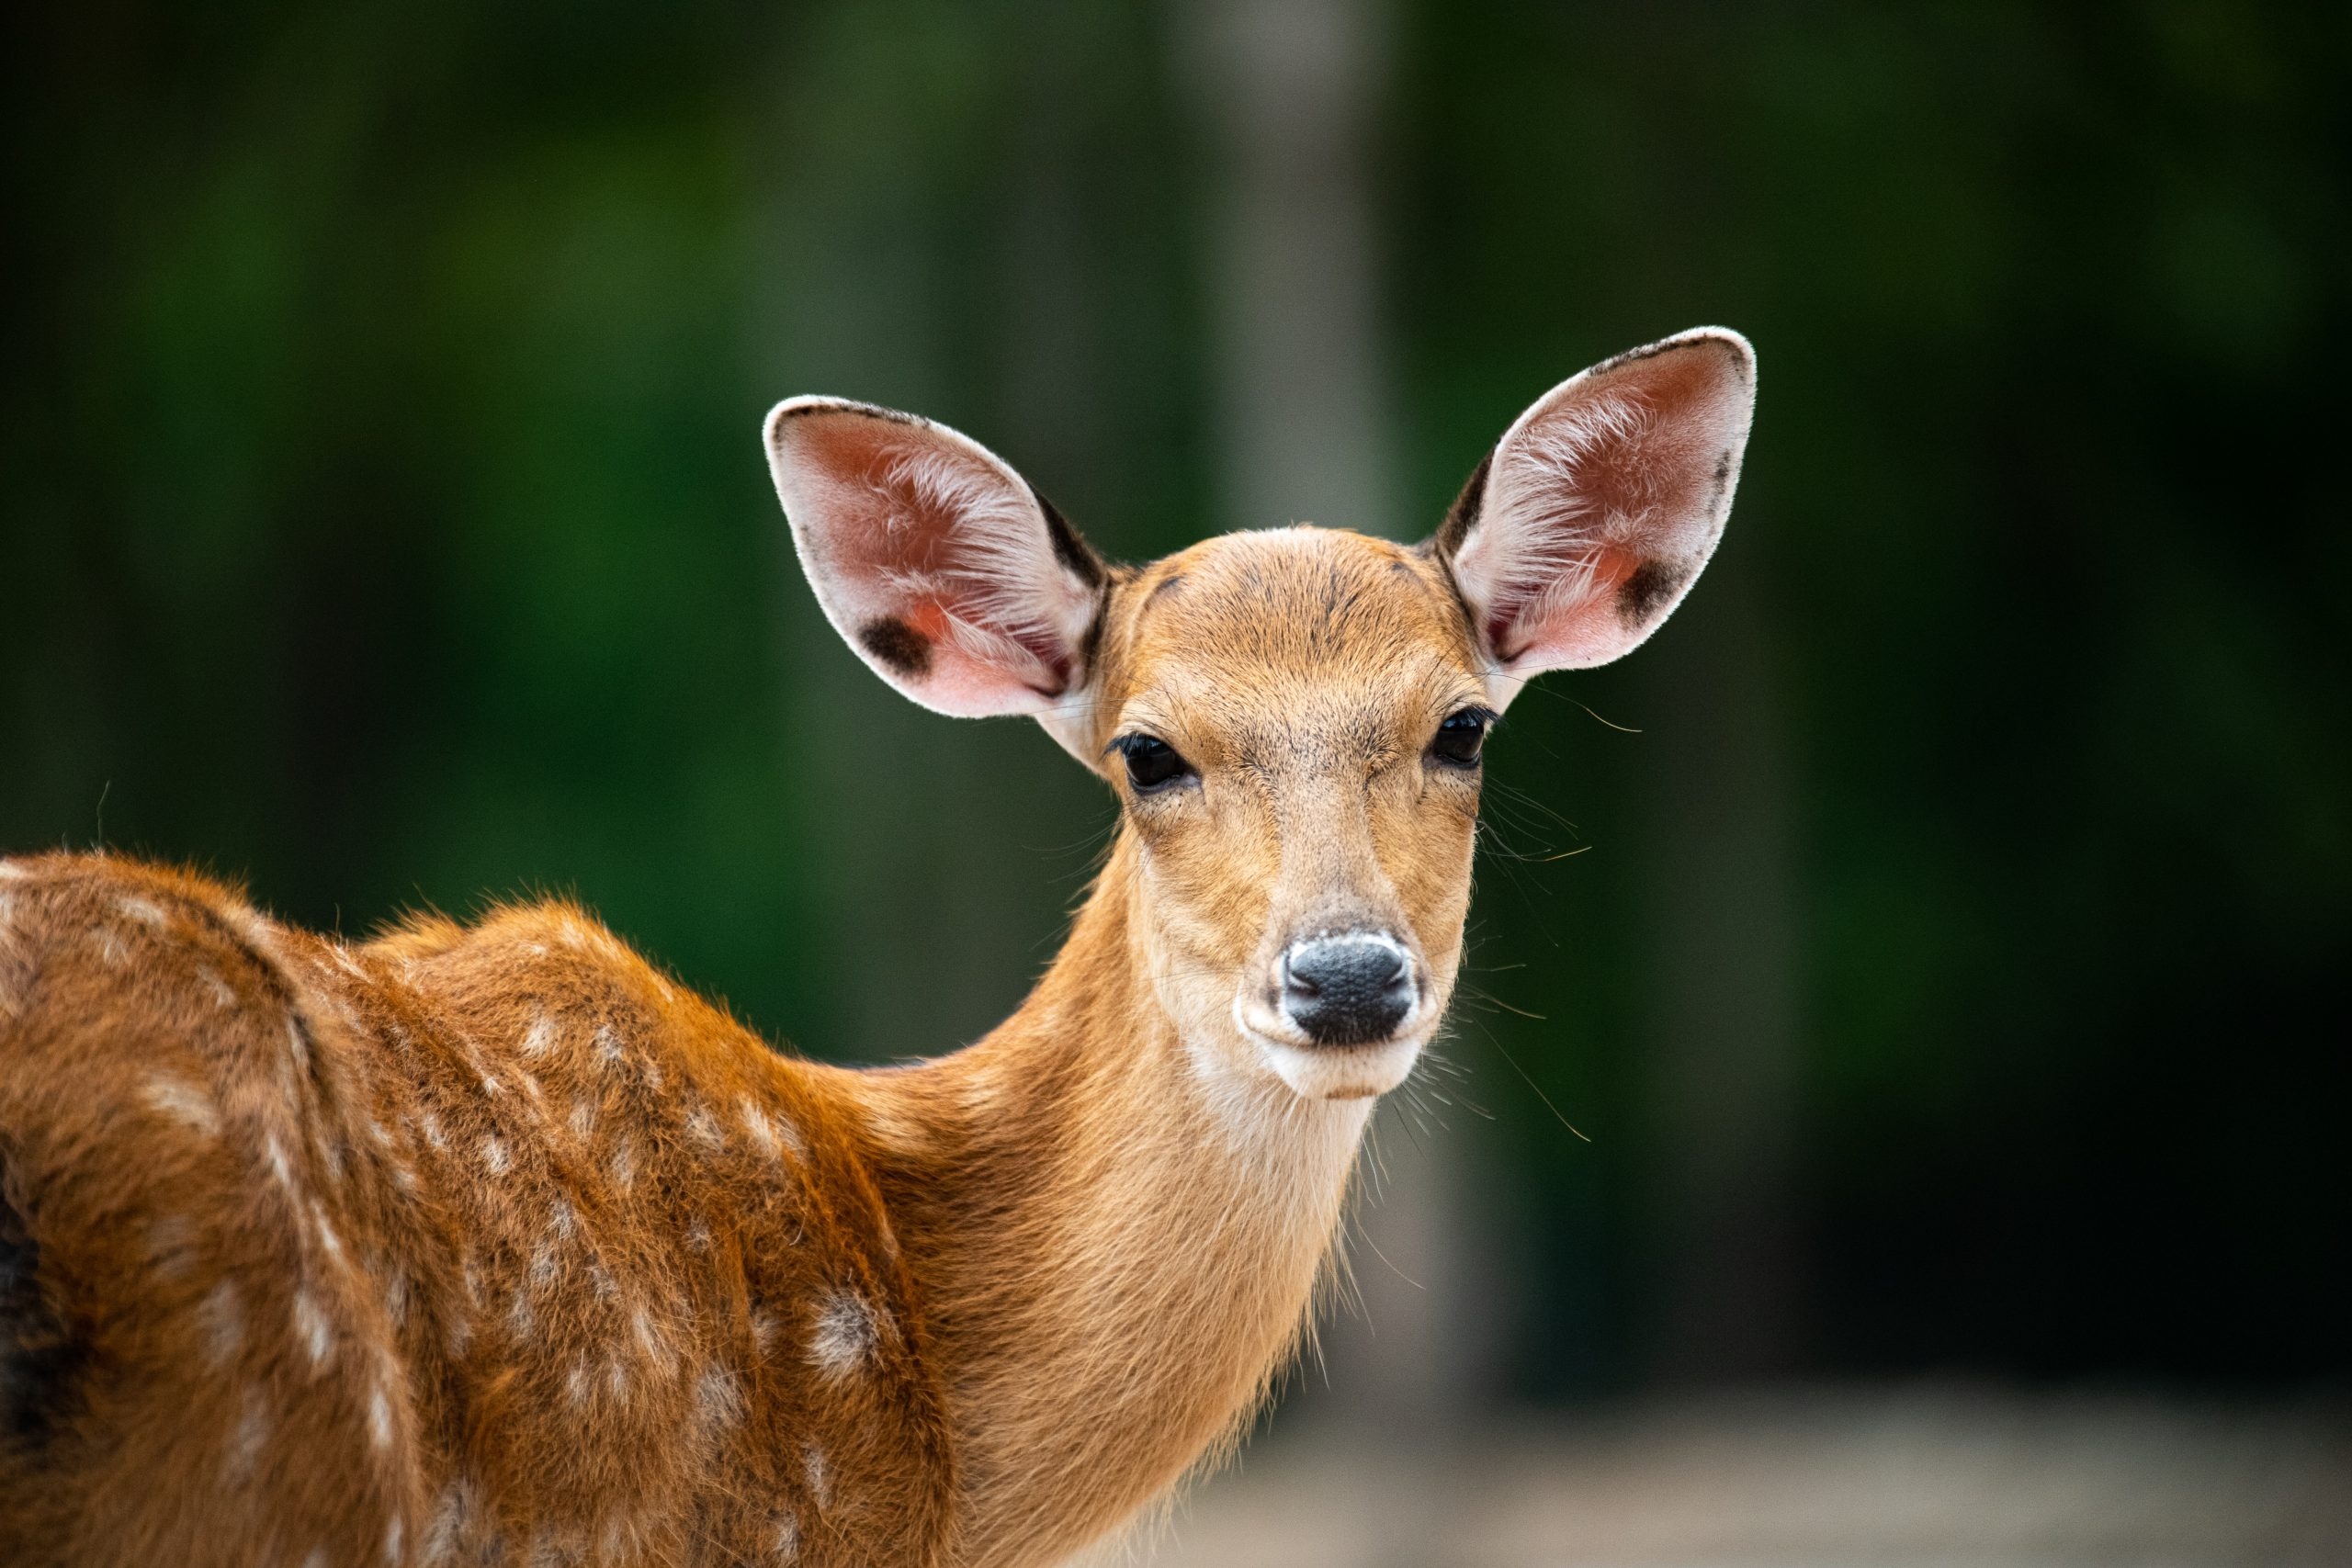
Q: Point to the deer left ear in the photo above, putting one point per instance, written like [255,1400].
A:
[952,579]
[1589,520]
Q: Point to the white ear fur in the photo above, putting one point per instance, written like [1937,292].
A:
[937,562]
[1594,513]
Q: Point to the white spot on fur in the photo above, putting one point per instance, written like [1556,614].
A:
[144,911]
[543,1266]
[650,1342]
[317,1558]
[562,1221]
[763,1328]
[184,1103]
[608,1045]
[617,1378]
[223,996]
[446,1532]
[396,1298]
[246,1442]
[519,1321]
[624,1165]
[493,1154]
[394,1529]
[699,1236]
[575,1384]
[274,1152]
[703,1128]
[540,1037]
[379,1418]
[310,1326]
[821,1480]
[224,1323]
[843,1335]
[772,1134]
[328,1241]
[719,1400]
[110,948]
[431,1125]
[786,1537]
[584,1117]
[296,1046]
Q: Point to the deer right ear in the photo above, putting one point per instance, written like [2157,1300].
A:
[1592,517]
[947,573]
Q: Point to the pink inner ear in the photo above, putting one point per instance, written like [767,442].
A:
[935,560]
[1603,501]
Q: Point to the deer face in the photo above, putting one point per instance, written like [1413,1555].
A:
[1294,719]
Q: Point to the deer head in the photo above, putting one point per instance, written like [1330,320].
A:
[1294,719]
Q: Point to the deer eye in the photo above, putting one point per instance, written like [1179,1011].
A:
[1461,736]
[1152,763]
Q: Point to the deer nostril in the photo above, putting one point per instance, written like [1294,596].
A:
[1347,990]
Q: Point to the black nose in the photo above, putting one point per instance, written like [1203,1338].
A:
[1347,990]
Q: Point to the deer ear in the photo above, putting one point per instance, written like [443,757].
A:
[1589,520]
[946,572]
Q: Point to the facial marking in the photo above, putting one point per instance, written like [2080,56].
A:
[1303,675]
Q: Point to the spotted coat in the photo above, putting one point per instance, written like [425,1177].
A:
[461,1246]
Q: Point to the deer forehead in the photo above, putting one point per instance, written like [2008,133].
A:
[1268,640]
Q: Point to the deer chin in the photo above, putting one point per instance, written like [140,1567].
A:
[1334,1071]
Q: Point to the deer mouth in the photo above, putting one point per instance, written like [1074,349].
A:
[1342,1015]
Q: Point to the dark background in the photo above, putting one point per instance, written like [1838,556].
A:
[1952,978]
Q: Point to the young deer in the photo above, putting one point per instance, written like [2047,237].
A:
[491,1243]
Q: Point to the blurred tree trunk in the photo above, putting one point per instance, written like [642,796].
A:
[1304,419]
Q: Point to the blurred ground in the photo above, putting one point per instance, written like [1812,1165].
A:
[1911,1478]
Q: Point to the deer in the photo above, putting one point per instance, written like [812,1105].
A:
[494,1242]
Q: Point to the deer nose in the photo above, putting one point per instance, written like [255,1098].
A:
[1347,990]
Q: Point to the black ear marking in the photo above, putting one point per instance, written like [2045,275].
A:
[1071,548]
[1462,516]
[1653,584]
[898,645]
[850,405]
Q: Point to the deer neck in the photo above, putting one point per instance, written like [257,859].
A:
[1116,1238]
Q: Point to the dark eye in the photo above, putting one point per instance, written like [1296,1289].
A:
[1152,763]
[1460,738]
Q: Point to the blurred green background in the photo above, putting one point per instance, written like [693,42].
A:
[1945,978]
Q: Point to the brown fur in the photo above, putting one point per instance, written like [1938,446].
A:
[480,1242]
[492,1244]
